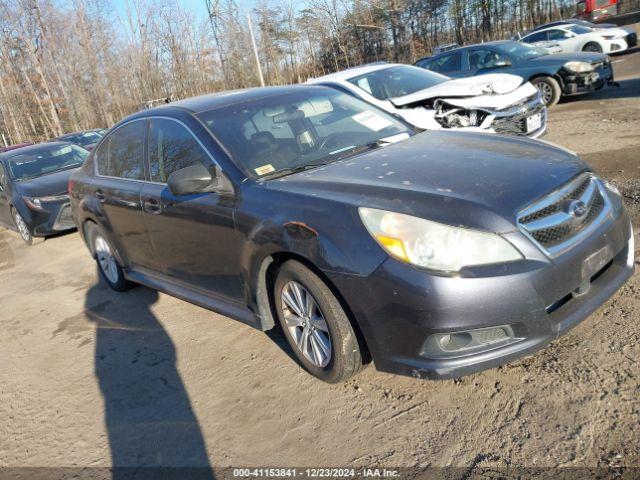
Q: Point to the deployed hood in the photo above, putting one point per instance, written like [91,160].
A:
[470,179]
[482,85]
[51,184]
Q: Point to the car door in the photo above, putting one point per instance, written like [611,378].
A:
[193,235]
[119,163]
[565,39]
[5,197]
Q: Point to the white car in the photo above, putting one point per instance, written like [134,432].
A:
[576,38]
[492,103]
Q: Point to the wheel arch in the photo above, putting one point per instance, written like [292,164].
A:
[265,282]
[555,76]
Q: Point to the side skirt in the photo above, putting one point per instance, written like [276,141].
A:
[198,297]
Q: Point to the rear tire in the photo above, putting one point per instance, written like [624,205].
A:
[549,89]
[592,47]
[110,269]
[24,230]
[315,324]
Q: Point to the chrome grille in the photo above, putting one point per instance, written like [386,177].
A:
[565,216]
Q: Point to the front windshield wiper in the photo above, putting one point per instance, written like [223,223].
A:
[381,142]
[291,170]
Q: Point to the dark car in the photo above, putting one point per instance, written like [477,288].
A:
[86,139]
[555,75]
[435,254]
[33,188]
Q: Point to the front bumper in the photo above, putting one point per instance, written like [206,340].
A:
[54,218]
[516,119]
[575,83]
[399,308]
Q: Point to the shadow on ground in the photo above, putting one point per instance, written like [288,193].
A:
[153,431]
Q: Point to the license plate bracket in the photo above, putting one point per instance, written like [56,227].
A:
[592,265]
[534,122]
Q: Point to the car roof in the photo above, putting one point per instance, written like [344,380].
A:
[212,101]
[466,47]
[355,72]
[32,148]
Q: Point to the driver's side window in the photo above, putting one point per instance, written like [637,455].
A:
[559,34]
[483,59]
[172,147]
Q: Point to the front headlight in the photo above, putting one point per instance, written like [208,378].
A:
[433,245]
[33,203]
[36,203]
[578,67]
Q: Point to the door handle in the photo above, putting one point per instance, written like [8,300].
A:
[152,206]
[99,194]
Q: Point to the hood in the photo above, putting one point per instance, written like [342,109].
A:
[562,58]
[51,184]
[471,179]
[490,84]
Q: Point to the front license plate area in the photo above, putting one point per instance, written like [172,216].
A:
[592,265]
[534,122]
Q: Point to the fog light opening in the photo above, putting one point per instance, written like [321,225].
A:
[466,341]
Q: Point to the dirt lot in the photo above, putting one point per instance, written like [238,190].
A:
[89,377]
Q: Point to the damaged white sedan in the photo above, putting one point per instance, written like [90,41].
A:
[491,103]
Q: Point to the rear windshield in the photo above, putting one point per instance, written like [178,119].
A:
[302,128]
[33,164]
[83,139]
[397,81]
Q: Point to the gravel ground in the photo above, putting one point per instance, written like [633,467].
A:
[92,378]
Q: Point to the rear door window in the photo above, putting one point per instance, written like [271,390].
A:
[120,154]
[172,147]
[447,63]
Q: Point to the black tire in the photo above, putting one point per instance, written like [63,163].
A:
[592,47]
[25,231]
[114,277]
[549,88]
[346,358]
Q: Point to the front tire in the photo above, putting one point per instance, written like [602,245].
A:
[23,229]
[592,47]
[549,89]
[110,269]
[315,324]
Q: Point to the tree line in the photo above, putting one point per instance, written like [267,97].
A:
[68,65]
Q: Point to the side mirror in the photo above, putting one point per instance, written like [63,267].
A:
[188,180]
[502,63]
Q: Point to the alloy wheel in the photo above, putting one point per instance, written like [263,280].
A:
[106,260]
[546,91]
[306,324]
[22,227]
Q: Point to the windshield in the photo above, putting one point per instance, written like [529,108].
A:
[301,129]
[522,51]
[83,139]
[397,81]
[578,29]
[45,160]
